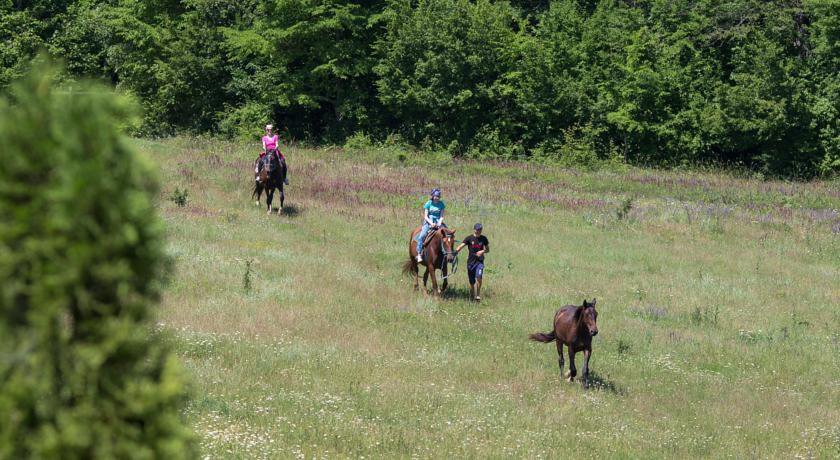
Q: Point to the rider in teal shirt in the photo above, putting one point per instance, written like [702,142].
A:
[432,218]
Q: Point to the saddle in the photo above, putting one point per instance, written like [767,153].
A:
[431,235]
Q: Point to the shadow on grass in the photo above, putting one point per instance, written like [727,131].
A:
[602,383]
[458,293]
[292,211]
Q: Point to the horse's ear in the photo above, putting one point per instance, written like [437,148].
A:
[594,301]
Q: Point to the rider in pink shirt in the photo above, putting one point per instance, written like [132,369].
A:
[270,143]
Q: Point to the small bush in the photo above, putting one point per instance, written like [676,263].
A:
[179,197]
[359,141]
[623,347]
[624,208]
[708,316]
[246,278]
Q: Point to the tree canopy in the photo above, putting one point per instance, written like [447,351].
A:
[660,82]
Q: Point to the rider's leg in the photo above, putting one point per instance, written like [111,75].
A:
[420,238]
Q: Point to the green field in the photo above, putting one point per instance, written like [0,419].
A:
[718,300]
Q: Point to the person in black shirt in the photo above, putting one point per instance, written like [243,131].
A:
[478,246]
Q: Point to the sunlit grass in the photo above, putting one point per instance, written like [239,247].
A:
[719,302]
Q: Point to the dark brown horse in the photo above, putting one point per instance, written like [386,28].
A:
[272,176]
[437,255]
[574,326]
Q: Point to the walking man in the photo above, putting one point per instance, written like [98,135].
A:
[478,245]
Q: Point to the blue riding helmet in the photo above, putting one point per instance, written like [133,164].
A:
[435,192]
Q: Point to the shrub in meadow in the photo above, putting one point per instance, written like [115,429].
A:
[82,375]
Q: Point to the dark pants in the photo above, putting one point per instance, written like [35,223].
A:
[475,271]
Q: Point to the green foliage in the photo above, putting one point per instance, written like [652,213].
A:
[449,83]
[624,208]
[246,278]
[179,197]
[664,82]
[81,263]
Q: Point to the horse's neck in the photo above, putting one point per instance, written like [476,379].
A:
[435,245]
[581,330]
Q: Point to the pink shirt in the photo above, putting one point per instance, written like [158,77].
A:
[270,142]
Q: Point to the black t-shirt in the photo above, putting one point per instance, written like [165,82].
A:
[476,244]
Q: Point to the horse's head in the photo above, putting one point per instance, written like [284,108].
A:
[273,160]
[589,316]
[448,238]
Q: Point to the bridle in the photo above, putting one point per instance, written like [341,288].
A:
[446,253]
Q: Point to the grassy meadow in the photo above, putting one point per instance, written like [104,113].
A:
[718,300]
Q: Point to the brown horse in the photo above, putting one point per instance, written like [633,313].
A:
[438,254]
[574,326]
[272,175]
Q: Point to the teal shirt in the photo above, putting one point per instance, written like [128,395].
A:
[435,209]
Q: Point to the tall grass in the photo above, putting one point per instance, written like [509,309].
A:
[719,302]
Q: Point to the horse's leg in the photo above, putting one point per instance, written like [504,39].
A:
[269,197]
[257,193]
[586,354]
[416,272]
[560,354]
[445,280]
[425,281]
[282,198]
[435,289]
[572,368]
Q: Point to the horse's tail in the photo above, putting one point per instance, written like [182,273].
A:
[541,337]
[410,267]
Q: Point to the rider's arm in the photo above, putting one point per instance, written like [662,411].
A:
[426,216]
[440,221]
[265,150]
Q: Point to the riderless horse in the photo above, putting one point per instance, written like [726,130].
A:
[574,326]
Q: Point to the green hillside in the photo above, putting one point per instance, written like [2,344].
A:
[718,299]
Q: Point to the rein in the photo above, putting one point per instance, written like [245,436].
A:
[454,262]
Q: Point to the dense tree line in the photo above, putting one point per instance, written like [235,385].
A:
[665,82]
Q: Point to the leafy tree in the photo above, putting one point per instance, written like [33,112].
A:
[307,64]
[81,265]
[442,68]
[823,52]
[664,82]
